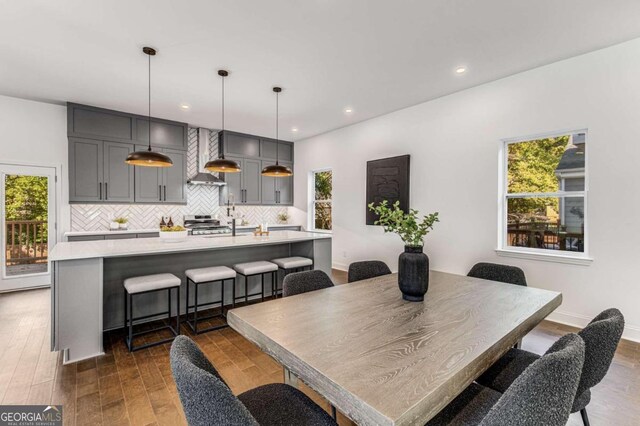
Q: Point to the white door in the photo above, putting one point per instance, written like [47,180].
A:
[27,197]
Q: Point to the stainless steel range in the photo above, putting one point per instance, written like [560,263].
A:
[204,225]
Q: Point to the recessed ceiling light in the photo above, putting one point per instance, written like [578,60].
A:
[348,110]
[461,70]
[294,129]
[185,106]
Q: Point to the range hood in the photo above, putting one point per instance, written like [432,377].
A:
[202,176]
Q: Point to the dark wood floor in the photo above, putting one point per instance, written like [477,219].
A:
[124,388]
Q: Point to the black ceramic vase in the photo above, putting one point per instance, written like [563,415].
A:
[413,274]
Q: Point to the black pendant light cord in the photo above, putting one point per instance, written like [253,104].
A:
[277,124]
[149,123]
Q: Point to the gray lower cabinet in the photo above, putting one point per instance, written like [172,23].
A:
[277,191]
[97,237]
[162,184]
[98,173]
[243,187]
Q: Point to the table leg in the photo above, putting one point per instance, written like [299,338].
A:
[290,378]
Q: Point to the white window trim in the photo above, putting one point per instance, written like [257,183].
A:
[312,203]
[557,256]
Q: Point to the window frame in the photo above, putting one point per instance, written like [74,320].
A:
[313,202]
[561,256]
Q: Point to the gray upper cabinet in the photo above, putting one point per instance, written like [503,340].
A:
[251,181]
[243,187]
[164,134]
[148,187]
[277,191]
[118,175]
[174,178]
[239,145]
[271,149]
[253,153]
[98,123]
[103,124]
[85,170]
[232,192]
[99,142]
[98,173]
[158,185]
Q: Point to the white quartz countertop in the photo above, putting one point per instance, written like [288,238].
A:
[150,246]
[149,231]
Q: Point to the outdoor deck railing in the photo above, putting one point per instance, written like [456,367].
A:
[545,235]
[26,241]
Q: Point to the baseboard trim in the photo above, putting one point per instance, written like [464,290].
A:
[340,266]
[631,332]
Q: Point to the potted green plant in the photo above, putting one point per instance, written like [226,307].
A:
[413,264]
[283,217]
[122,222]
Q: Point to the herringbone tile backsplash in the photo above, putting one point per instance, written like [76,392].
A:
[200,200]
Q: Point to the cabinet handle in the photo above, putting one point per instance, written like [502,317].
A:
[245,195]
[160,191]
[165,192]
[106,191]
[100,188]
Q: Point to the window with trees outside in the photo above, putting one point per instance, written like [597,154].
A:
[321,188]
[544,195]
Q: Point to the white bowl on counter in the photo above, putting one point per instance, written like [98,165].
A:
[174,236]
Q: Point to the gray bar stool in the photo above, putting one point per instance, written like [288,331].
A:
[252,269]
[148,284]
[288,265]
[203,276]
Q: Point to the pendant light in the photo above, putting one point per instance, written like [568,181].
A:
[149,158]
[277,170]
[222,165]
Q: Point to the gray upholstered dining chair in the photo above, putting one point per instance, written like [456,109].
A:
[207,400]
[601,337]
[541,395]
[366,269]
[302,282]
[497,272]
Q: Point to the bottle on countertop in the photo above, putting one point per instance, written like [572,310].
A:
[162,222]
[170,223]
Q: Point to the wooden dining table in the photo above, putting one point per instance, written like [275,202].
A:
[382,360]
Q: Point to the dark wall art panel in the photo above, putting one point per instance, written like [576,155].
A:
[387,179]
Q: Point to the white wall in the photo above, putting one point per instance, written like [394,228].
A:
[36,133]
[454,142]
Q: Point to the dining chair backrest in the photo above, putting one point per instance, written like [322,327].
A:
[303,282]
[543,394]
[497,272]
[601,337]
[205,397]
[366,269]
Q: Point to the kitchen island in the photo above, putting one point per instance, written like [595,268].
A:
[87,294]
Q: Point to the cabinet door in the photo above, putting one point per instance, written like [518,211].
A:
[240,145]
[251,181]
[85,170]
[148,182]
[118,175]
[164,133]
[175,177]
[284,186]
[268,186]
[232,191]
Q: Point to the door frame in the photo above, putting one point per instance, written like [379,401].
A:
[57,229]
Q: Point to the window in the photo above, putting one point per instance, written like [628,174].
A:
[321,188]
[543,202]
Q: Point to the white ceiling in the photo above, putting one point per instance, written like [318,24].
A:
[372,55]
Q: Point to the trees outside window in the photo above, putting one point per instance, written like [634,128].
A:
[322,188]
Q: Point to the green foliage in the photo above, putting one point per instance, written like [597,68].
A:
[531,168]
[26,197]
[406,225]
[323,189]
[121,220]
